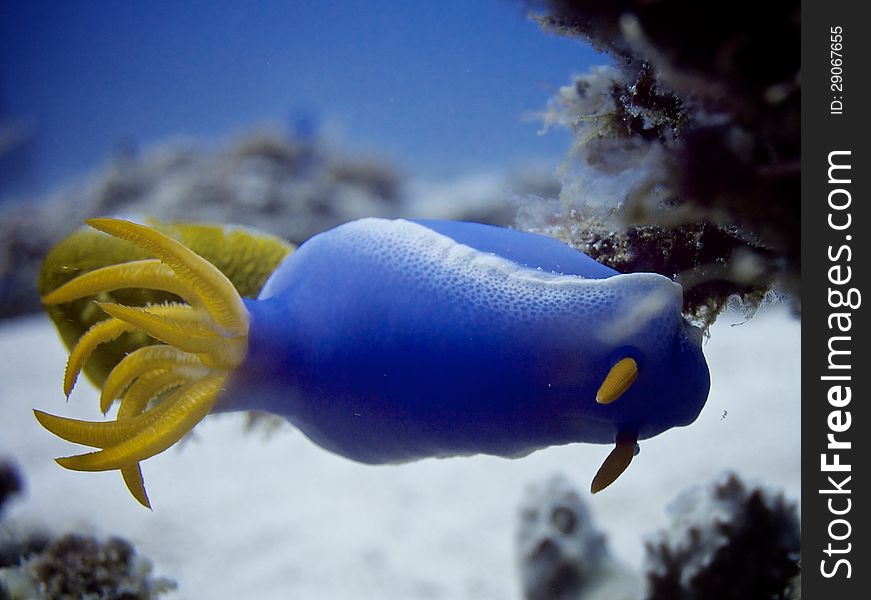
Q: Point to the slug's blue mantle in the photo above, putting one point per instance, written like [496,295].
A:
[388,341]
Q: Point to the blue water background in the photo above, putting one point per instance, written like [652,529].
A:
[438,88]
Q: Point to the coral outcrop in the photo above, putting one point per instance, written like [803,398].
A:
[724,541]
[562,555]
[34,565]
[686,152]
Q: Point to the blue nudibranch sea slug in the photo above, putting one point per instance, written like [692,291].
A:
[389,340]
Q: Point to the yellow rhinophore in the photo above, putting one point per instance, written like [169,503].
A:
[177,355]
[619,378]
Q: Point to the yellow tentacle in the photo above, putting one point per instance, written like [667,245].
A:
[150,274]
[212,287]
[188,410]
[147,388]
[100,333]
[185,334]
[132,475]
[140,362]
[135,401]
[105,434]
[107,330]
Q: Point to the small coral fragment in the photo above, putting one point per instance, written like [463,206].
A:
[562,554]
[76,566]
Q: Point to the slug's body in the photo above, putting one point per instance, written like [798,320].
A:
[388,341]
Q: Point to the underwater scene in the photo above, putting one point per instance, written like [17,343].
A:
[400,300]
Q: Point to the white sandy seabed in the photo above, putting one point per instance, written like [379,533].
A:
[241,515]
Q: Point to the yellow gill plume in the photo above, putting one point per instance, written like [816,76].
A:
[165,388]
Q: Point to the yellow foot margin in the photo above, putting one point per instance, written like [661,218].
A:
[172,381]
